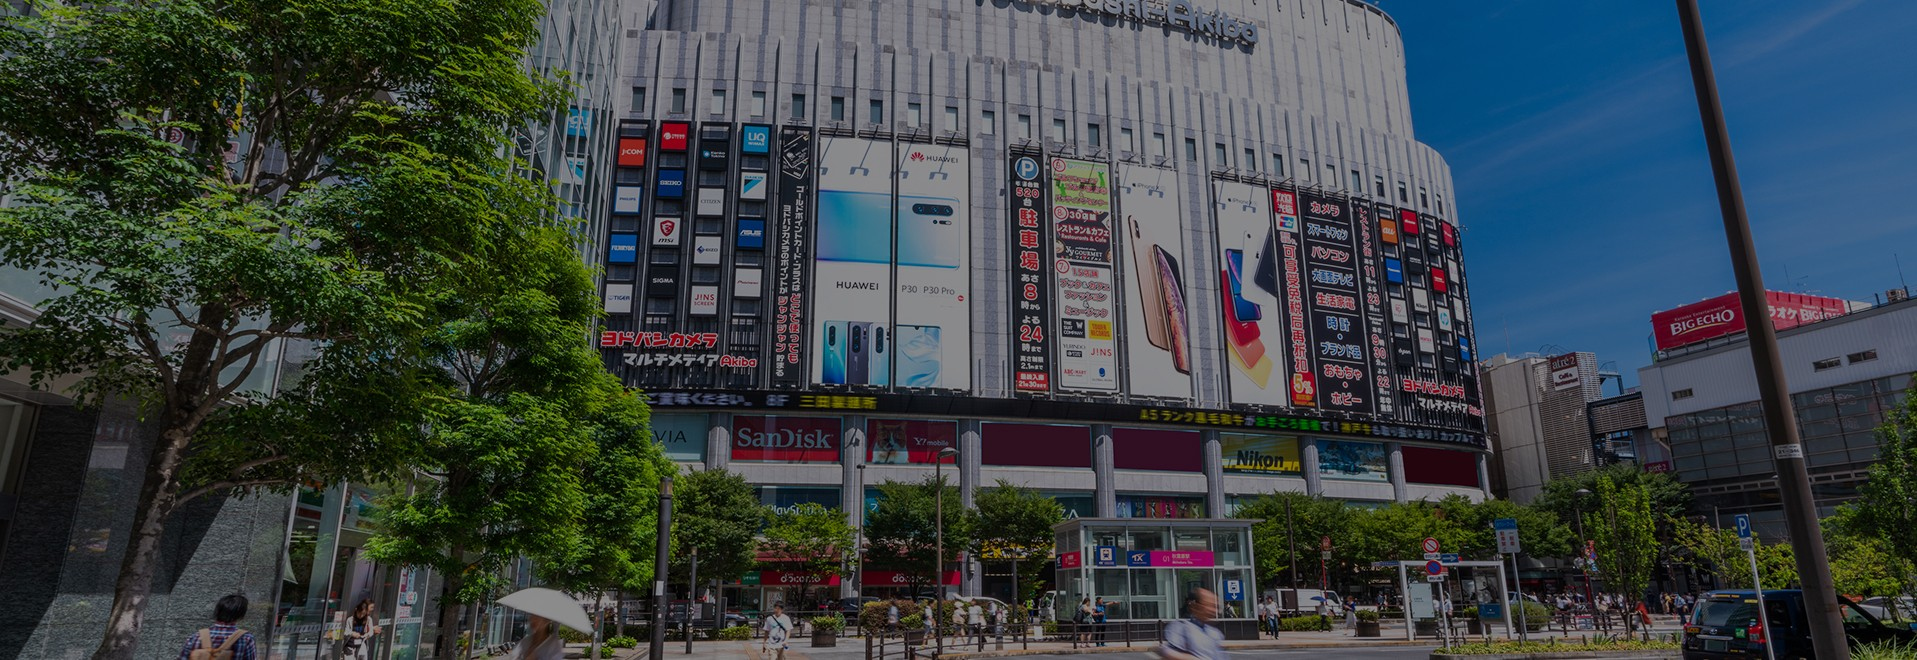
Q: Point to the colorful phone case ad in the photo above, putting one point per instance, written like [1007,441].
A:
[852,265]
[932,336]
[1356,461]
[908,442]
[1253,317]
[1157,337]
[1082,266]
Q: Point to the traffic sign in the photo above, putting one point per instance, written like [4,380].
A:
[1449,558]
[1432,556]
[1325,544]
[1234,590]
[1506,530]
[1430,544]
[1434,568]
[1743,526]
[1434,578]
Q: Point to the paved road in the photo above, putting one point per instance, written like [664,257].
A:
[1391,652]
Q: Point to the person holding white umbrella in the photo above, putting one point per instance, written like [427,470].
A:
[545,608]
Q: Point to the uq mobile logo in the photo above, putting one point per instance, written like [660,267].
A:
[1175,13]
[1696,323]
[783,439]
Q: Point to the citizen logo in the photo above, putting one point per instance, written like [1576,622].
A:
[783,439]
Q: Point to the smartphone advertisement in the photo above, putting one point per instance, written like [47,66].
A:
[1030,242]
[1369,252]
[792,244]
[852,264]
[908,442]
[1250,295]
[1157,298]
[932,339]
[1082,265]
[1303,383]
[1338,337]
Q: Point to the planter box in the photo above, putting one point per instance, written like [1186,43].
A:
[1368,629]
[825,638]
[1475,626]
[914,637]
[1425,627]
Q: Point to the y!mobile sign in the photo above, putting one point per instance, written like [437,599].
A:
[1722,315]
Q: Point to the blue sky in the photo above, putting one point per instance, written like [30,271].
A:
[1573,134]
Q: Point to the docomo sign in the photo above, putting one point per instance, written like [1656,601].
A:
[785,439]
[900,578]
[791,578]
[1175,13]
[1723,315]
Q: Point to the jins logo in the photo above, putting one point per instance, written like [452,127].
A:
[783,439]
[1703,321]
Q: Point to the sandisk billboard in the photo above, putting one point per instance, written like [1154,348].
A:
[1720,316]
[785,439]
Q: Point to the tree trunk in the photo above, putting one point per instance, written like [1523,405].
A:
[158,493]
[449,614]
[598,611]
[619,613]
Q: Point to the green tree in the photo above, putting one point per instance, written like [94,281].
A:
[1311,519]
[1884,508]
[1861,562]
[1016,522]
[1397,532]
[334,161]
[716,512]
[529,424]
[900,533]
[810,536]
[1668,496]
[1716,551]
[1539,532]
[1625,534]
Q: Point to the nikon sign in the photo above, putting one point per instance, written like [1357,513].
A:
[1178,14]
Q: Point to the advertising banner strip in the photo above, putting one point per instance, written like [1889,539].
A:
[1338,341]
[1157,337]
[791,257]
[1251,296]
[1377,329]
[1029,247]
[1303,382]
[1082,262]
[931,332]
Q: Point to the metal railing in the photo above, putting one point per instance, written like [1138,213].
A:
[923,643]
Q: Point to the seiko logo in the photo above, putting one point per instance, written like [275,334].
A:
[1704,321]
[783,439]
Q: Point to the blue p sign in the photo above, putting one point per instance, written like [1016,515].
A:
[1743,526]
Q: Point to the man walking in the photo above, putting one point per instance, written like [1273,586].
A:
[223,640]
[1195,638]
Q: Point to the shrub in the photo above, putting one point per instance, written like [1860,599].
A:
[1304,623]
[735,633]
[1051,628]
[1886,650]
[573,636]
[1536,616]
[912,621]
[1502,648]
[1368,615]
[622,643]
[831,623]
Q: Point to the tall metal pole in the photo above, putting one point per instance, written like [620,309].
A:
[1787,454]
[1292,541]
[692,599]
[659,565]
[938,549]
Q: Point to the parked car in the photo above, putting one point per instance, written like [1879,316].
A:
[676,616]
[1726,625]
[1880,607]
[851,607]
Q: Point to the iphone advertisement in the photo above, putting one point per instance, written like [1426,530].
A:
[853,342]
[1157,293]
[1082,266]
[1251,296]
[932,340]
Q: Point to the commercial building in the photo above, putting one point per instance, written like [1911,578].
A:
[1539,421]
[1148,258]
[1845,373]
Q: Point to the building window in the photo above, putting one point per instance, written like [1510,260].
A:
[1331,173]
[1251,159]
[951,118]
[988,122]
[1191,149]
[1377,183]
[1095,134]
[1402,195]
[913,116]
[1058,130]
[1158,144]
[1278,164]
[1304,168]
[875,112]
[1423,199]
[1025,126]
[639,99]
[1126,140]
[1357,181]
[837,108]
[1681,394]
[1440,204]
[1831,363]
[678,100]
[798,106]
[758,104]
[1864,356]
[718,101]
[1218,154]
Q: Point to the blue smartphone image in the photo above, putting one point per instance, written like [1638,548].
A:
[919,355]
[834,366]
[855,227]
[879,356]
[858,349]
[929,232]
[1245,309]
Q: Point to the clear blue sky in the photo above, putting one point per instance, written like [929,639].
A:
[1573,134]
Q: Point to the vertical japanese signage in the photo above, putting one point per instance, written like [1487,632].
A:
[852,264]
[1376,329]
[1157,288]
[1251,296]
[1338,340]
[791,256]
[1031,290]
[932,338]
[1303,383]
[1082,261]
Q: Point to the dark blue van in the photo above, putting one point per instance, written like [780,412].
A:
[1725,625]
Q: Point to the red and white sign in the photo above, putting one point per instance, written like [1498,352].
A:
[902,442]
[1069,560]
[795,579]
[1182,558]
[1564,372]
[1430,544]
[672,135]
[899,578]
[785,439]
[632,152]
[1722,315]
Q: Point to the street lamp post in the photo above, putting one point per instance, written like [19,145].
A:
[1584,559]
[858,546]
[938,545]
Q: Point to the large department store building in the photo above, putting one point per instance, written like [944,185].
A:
[1149,258]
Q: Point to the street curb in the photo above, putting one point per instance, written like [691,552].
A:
[1563,655]
[1230,647]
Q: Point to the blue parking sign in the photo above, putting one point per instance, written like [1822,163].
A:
[1105,555]
[1234,590]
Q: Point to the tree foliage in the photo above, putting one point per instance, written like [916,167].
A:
[1668,496]
[901,534]
[1014,521]
[810,537]
[1310,518]
[1625,536]
[716,512]
[1886,506]
[199,182]
[1862,563]
[1715,551]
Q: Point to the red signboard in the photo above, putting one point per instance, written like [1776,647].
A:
[785,439]
[1408,221]
[1437,280]
[901,442]
[795,579]
[672,135]
[632,152]
[1720,316]
[900,578]
[1069,560]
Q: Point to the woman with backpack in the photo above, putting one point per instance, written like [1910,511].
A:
[361,628]
[1082,617]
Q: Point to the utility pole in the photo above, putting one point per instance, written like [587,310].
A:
[1292,541]
[692,600]
[659,565]
[1787,454]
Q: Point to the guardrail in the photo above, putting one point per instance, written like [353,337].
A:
[913,644]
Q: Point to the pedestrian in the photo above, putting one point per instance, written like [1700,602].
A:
[1351,617]
[892,616]
[1268,615]
[778,628]
[977,616]
[1082,617]
[1194,638]
[542,641]
[224,640]
[360,629]
[1098,619]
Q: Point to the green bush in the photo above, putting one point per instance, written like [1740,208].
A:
[735,633]
[622,643]
[913,621]
[1536,616]
[1304,623]
[1368,615]
[831,623]
[1501,648]
[1470,612]
[1887,650]
[1051,628]
[573,636]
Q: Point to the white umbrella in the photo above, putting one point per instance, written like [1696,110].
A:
[558,607]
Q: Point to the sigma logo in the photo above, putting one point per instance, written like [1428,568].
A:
[750,438]
[666,280]
[1703,322]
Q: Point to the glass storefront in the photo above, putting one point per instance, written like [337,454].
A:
[1144,569]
